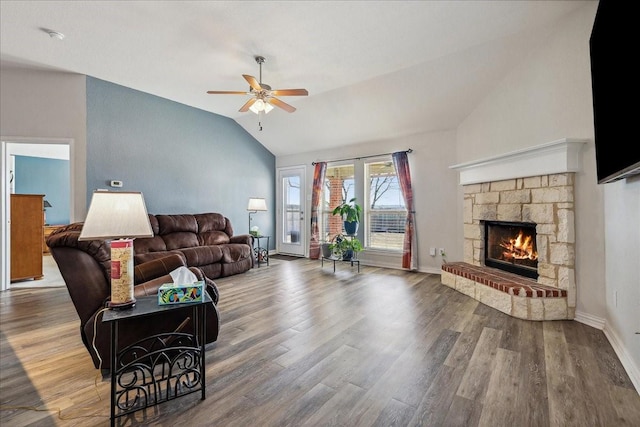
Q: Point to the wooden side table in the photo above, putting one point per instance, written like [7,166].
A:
[48,229]
[158,368]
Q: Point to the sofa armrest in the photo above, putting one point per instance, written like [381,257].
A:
[247,239]
[156,268]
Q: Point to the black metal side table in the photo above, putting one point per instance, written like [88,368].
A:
[158,368]
[261,253]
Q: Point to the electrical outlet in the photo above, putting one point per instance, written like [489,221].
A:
[432,251]
[615,298]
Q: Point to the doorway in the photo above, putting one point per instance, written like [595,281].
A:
[290,226]
[39,147]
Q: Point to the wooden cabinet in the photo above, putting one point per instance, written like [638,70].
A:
[27,234]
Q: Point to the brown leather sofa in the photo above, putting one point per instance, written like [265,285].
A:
[203,240]
[85,267]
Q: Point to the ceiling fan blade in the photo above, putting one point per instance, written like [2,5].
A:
[225,92]
[247,104]
[281,104]
[289,92]
[252,82]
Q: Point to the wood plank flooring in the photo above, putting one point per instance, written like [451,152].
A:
[302,346]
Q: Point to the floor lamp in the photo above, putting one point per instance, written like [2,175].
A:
[122,216]
[256,204]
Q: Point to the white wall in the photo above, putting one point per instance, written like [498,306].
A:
[622,249]
[546,98]
[434,184]
[48,105]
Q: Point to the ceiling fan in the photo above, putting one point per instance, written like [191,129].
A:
[263,97]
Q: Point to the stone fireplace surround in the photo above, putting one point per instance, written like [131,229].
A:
[533,185]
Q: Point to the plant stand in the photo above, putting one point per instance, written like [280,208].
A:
[335,259]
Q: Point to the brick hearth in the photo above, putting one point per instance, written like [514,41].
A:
[510,293]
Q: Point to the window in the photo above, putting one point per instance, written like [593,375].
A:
[385,212]
[339,185]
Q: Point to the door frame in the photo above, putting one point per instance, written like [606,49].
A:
[280,214]
[5,196]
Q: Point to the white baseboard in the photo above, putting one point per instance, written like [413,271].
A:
[618,347]
[622,353]
[590,320]
[431,270]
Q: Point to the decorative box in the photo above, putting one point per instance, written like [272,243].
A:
[171,293]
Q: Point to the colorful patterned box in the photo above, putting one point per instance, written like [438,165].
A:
[170,293]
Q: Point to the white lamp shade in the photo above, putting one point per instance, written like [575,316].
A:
[257,204]
[116,214]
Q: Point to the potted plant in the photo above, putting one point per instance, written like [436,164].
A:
[350,212]
[345,247]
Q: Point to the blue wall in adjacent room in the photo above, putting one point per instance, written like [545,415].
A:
[184,160]
[38,175]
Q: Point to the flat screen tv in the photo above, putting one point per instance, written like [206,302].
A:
[614,82]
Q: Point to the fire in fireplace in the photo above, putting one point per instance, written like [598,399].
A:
[511,246]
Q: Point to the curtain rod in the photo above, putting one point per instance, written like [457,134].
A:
[365,157]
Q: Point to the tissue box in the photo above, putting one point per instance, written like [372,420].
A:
[171,293]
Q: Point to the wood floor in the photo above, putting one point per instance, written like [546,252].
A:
[300,345]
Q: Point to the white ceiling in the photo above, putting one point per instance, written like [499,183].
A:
[374,69]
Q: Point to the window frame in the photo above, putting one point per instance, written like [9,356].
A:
[367,221]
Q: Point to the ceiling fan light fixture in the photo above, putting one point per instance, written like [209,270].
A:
[260,106]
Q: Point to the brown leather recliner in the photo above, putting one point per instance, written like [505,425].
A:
[85,267]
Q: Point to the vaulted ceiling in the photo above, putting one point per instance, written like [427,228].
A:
[374,69]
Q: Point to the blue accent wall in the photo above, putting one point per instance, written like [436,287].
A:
[183,160]
[51,177]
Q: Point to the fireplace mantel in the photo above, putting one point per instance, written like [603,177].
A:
[559,156]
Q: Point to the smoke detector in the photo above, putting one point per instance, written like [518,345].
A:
[54,34]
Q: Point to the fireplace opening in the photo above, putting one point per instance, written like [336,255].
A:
[511,246]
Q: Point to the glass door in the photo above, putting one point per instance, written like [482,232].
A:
[291,228]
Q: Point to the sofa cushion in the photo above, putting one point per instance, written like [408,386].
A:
[203,255]
[210,222]
[234,252]
[139,258]
[180,240]
[176,223]
[213,238]
[149,244]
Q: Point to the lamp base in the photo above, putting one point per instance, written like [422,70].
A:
[122,274]
[121,305]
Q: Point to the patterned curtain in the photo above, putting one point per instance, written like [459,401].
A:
[409,250]
[318,181]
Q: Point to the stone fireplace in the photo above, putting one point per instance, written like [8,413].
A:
[529,191]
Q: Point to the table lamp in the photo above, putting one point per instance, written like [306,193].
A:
[255,204]
[122,216]
[46,205]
